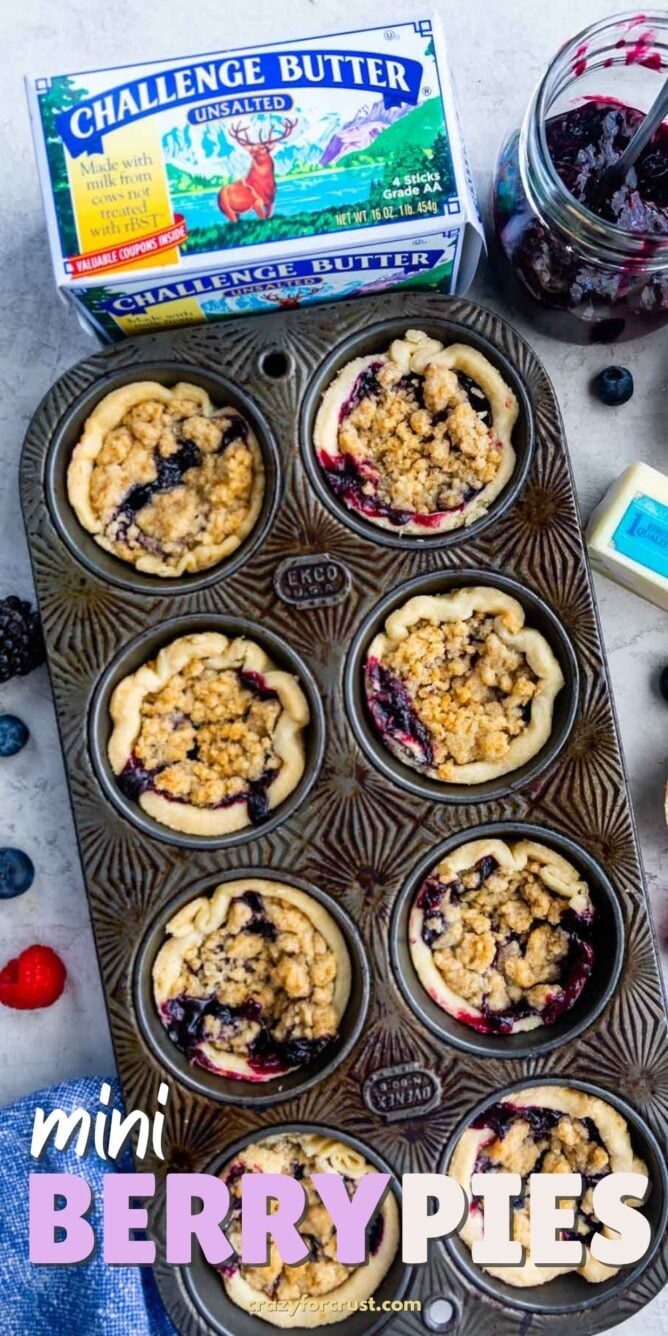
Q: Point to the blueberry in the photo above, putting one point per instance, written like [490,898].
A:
[613,385]
[13,734]
[17,873]
[663,682]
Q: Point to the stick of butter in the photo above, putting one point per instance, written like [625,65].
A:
[627,535]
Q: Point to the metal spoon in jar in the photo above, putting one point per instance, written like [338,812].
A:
[619,170]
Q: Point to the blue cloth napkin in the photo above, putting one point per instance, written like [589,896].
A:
[91,1299]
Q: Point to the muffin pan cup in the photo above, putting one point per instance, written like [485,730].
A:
[144,648]
[539,616]
[360,829]
[570,1293]
[377,339]
[607,940]
[109,568]
[228,1090]
[205,1288]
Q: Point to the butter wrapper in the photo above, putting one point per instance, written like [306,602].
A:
[183,191]
[627,534]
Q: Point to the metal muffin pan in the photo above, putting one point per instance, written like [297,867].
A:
[227,1089]
[144,648]
[358,830]
[377,339]
[208,1293]
[539,616]
[570,1293]
[223,394]
[608,942]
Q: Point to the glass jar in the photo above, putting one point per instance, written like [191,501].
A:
[598,277]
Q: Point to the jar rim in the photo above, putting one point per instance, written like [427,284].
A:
[619,239]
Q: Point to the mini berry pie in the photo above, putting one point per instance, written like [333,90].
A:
[208,737]
[545,1130]
[276,1292]
[164,480]
[253,980]
[417,439]
[459,688]
[500,935]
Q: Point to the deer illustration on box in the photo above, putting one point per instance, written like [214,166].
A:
[257,190]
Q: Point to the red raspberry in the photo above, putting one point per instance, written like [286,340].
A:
[34,979]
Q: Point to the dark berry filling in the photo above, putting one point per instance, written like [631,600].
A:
[584,141]
[170,471]
[348,479]
[394,716]
[542,1122]
[185,1017]
[435,894]
[135,779]
[260,925]
[576,970]
[500,1117]
[257,682]
[367,383]
[355,481]
[267,1054]
[376,1232]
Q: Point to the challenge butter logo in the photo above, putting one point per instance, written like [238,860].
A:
[82,128]
[267,276]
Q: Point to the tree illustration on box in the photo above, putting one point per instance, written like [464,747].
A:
[62,95]
[441,161]
[408,161]
[93,299]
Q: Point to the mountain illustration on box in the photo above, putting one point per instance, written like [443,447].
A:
[270,177]
[199,157]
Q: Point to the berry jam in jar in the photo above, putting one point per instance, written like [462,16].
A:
[592,258]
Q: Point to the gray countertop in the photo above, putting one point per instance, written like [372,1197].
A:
[498,51]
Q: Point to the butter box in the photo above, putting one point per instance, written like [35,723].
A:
[183,191]
[627,534]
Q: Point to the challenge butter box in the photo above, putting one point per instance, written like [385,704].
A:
[182,191]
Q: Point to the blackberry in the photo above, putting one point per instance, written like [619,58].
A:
[21,643]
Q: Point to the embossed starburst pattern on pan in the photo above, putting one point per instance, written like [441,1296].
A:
[357,836]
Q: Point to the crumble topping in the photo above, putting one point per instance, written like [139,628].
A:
[507,943]
[425,444]
[469,692]
[261,986]
[207,735]
[298,1157]
[169,479]
[541,1140]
